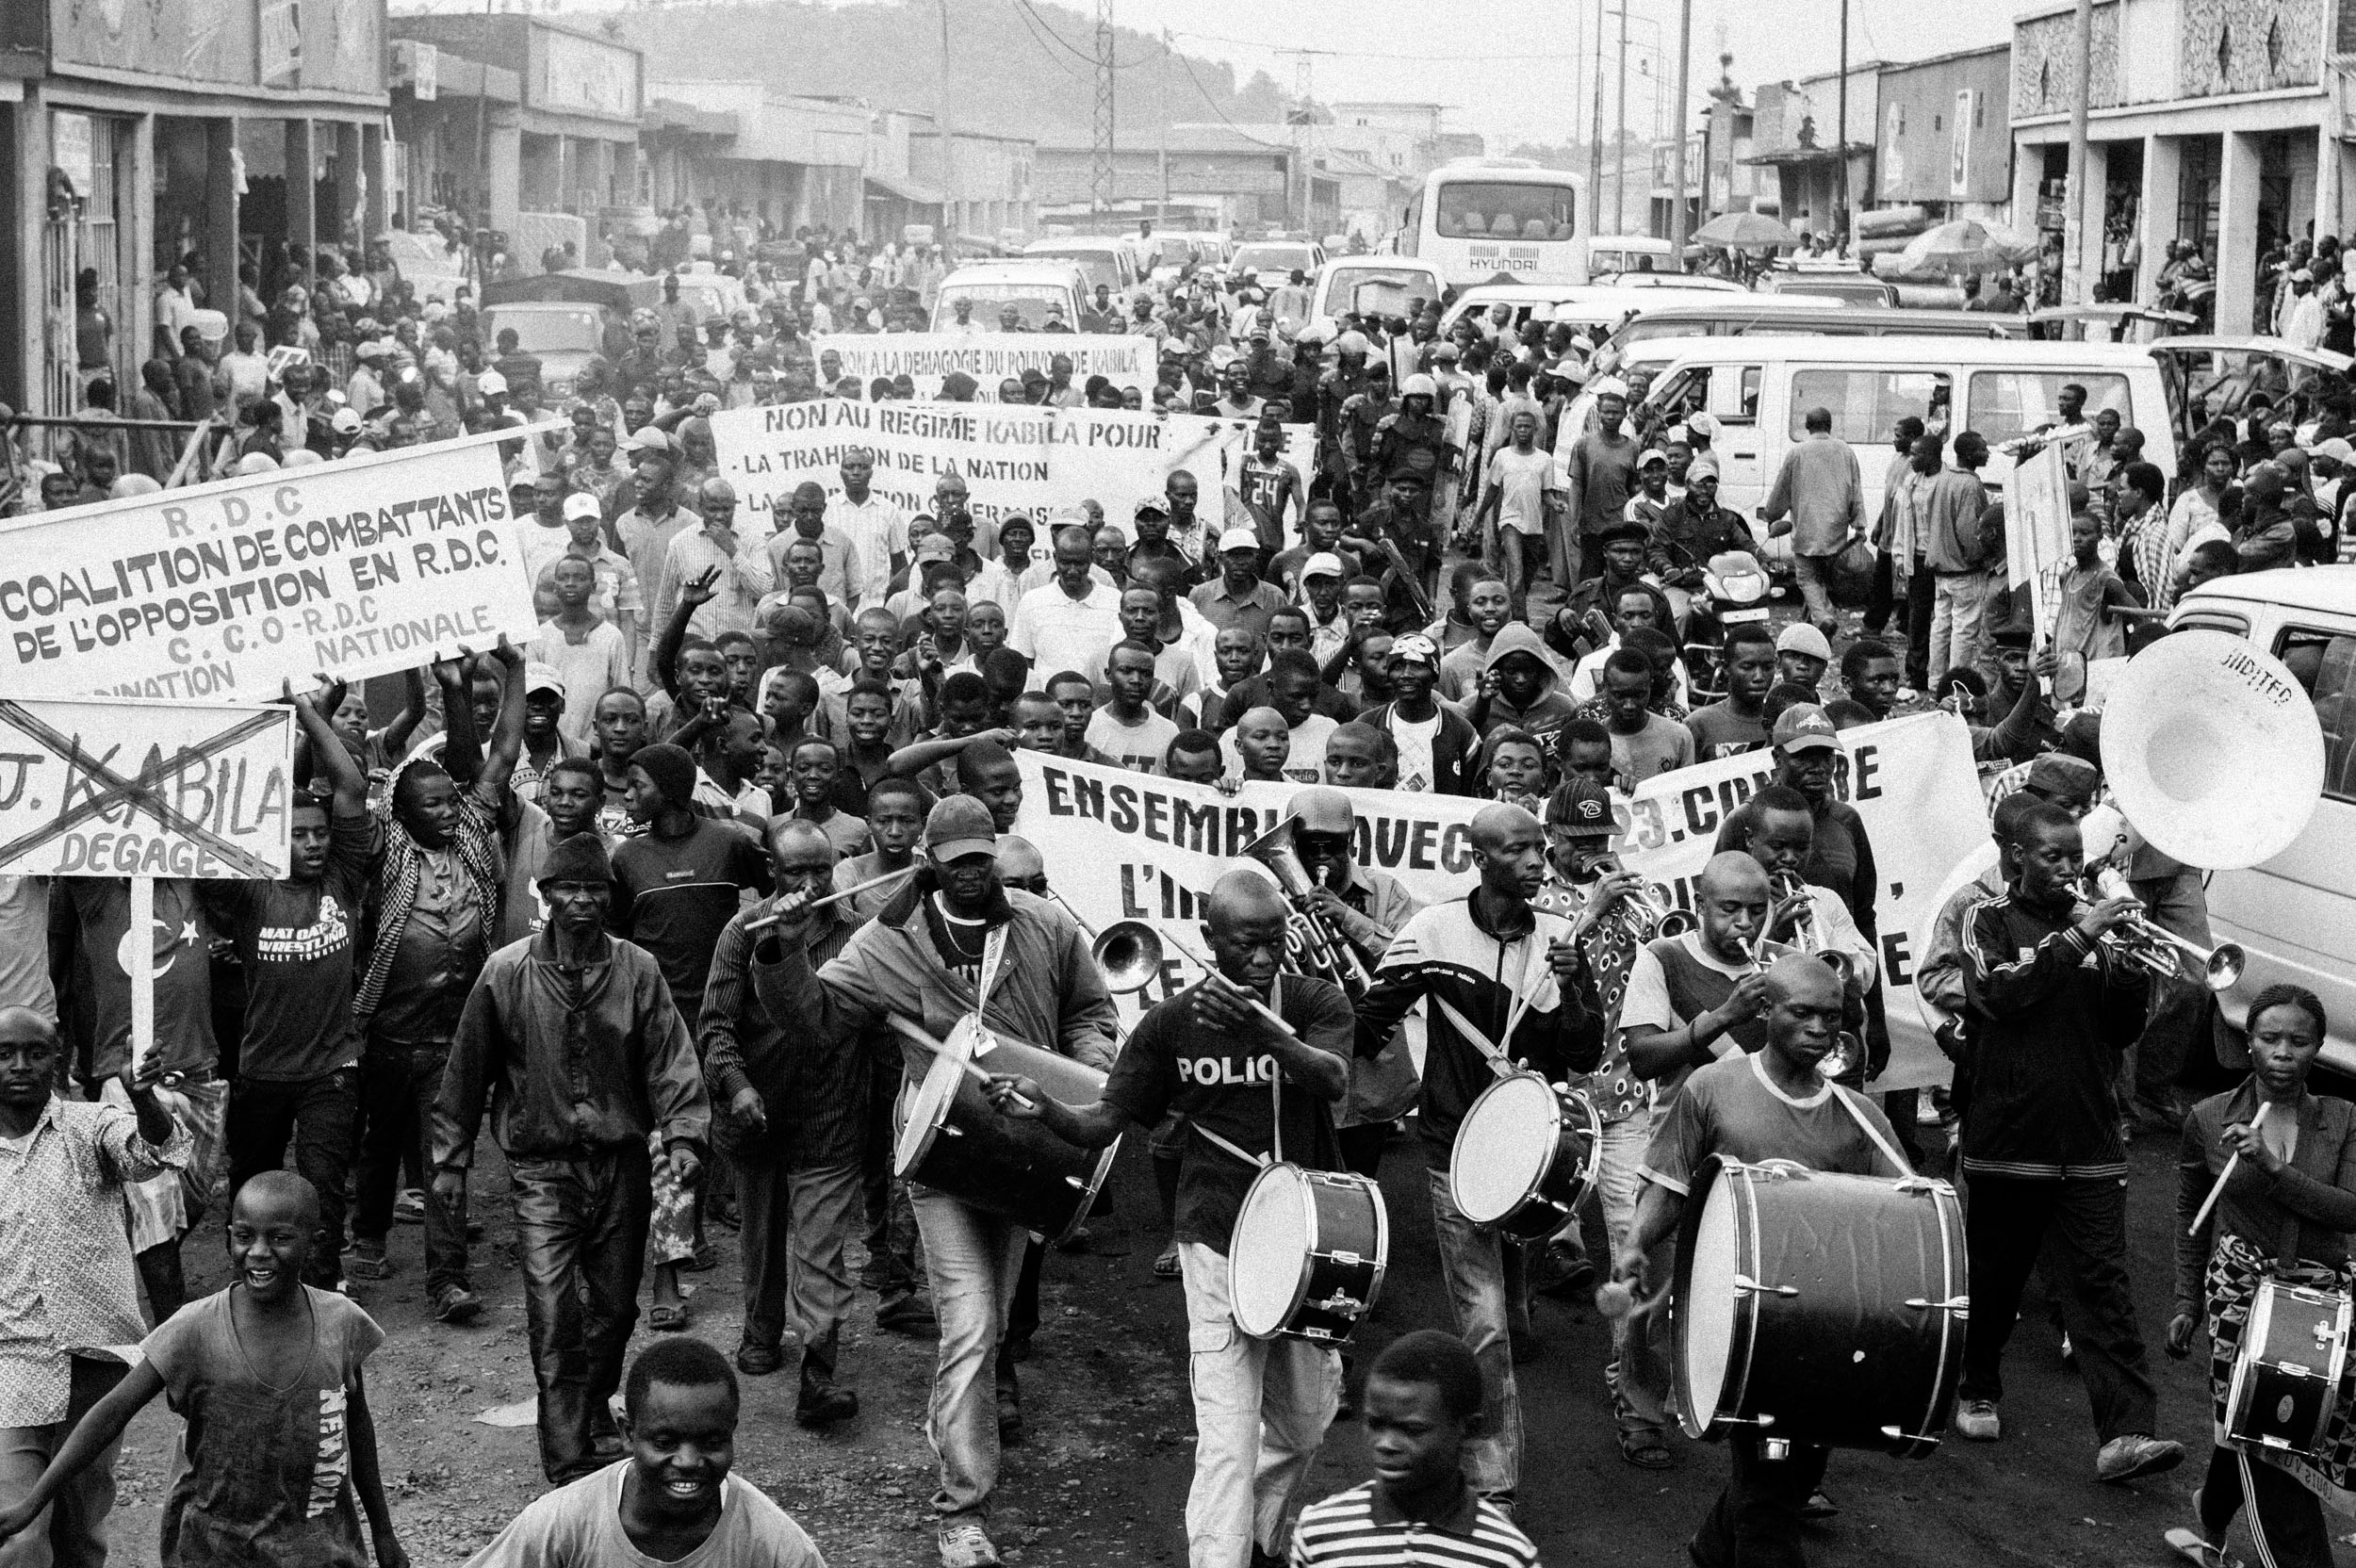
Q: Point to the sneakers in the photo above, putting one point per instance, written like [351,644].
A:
[967,1547]
[1975,1419]
[456,1304]
[2135,1455]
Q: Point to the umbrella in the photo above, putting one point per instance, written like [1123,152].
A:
[1744,231]
[1964,248]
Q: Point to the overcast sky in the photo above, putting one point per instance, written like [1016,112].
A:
[1507,67]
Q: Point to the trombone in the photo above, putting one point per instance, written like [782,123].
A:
[2139,940]
[1129,951]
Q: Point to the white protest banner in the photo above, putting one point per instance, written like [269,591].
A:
[111,787]
[1013,458]
[989,357]
[2037,539]
[350,569]
[1130,847]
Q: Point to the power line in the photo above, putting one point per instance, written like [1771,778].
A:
[1073,49]
[1369,53]
[1189,66]
[1032,28]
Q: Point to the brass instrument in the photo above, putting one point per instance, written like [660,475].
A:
[1129,951]
[1645,914]
[2141,941]
[1322,952]
[1810,936]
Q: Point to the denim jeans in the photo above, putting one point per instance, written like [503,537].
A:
[2081,1226]
[797,1224]
[1472,1262]
[973,1261]
[1756,1523]
[320,1114]
[891,1229]
[1261,1407]
[1638,1372]
[580,1231]
[1814,575]
[1958,602]
[72,1532]
[398,1082]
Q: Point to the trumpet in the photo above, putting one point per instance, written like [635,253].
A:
[2161,952]
[1645,914]
[1323,951]
[1129,951]
[1810,936]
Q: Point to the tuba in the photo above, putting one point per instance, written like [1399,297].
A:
[1314,948]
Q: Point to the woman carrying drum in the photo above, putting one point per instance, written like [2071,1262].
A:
[2283,1162]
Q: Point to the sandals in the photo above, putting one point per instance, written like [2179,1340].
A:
[2192,1546]
[1645,1450]
[1167,1267]
[667,1319]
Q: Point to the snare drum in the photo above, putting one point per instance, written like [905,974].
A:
[1308,1252]
[1820,1308]
[950,1140]
[2287,1376]
[1525,1157]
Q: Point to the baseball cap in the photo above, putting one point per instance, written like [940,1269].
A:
[2058,773]
[1581,807]
[346,422]
[1703,425]
[1239,539]
[581,504]
[1322,809]
[1800,637]
[935,547]
[1323,563]
[542,677]
[1803,727]
[647,438]
[1652,455]
[1150,507]
[2336,450]
[490,383]
[959,826]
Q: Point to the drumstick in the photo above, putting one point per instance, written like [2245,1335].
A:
[2224,1176]
[915,1034]
[768,920]
[1210,971]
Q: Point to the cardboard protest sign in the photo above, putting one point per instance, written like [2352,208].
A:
[2037,540]
[120,788]
[225,591]
[1131,846]
[989,357]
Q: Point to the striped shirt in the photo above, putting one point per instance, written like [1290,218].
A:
[1360,1529]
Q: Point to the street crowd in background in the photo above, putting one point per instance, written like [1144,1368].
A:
[567,882]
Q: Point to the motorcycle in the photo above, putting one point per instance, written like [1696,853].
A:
[1734,590]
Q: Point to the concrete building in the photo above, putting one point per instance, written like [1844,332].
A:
[984,192]
[792,161]
[2209,121]
[130,139]
[454,133]
[1801,145]
[1729,137]
[1216,177]
[573,144]
[1942,145]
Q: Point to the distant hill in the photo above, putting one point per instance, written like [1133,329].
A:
[1009,73]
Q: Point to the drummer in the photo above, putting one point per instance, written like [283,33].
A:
[1769,1104]
[1249,1092]
[1513,973]
[1363,908]
[2285,1212]
[952,937]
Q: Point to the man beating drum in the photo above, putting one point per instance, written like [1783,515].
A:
[1769,1105]
[1249,1092]
[955,943]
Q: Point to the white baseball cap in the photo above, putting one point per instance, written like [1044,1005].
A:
[1323,563]
[1239,539]
[581,504]
[1800,637]
[490,383]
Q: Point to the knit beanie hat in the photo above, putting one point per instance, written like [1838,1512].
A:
[578,859]
[670,767]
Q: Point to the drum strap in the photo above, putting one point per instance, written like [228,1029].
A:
[1275,1101]
[1866,1126]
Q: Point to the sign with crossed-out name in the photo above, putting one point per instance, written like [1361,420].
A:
[109,787]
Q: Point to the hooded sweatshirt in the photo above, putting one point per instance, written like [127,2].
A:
[1548,712]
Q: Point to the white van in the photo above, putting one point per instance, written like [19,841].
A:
[1376,285]
[1760,390]
[1104,259]
[2296,914]
[1595,310]
[1030,287]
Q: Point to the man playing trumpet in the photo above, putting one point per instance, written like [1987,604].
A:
[1780,832]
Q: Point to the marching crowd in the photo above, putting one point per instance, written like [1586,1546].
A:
[574,883]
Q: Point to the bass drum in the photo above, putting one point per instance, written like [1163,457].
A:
[1820,1308]
[952,1140]
[1523,1157]
[1308,1253]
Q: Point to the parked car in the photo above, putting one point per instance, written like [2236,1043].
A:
[1030,287]
[2295,915]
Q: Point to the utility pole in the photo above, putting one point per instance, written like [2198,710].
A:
[1594,134]
[948,141]
[1101,182]
[1619,139]
[1677,215]
[2073,278]
[1840,145]
[1161,113]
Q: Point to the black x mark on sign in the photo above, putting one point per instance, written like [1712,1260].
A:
[143,793]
